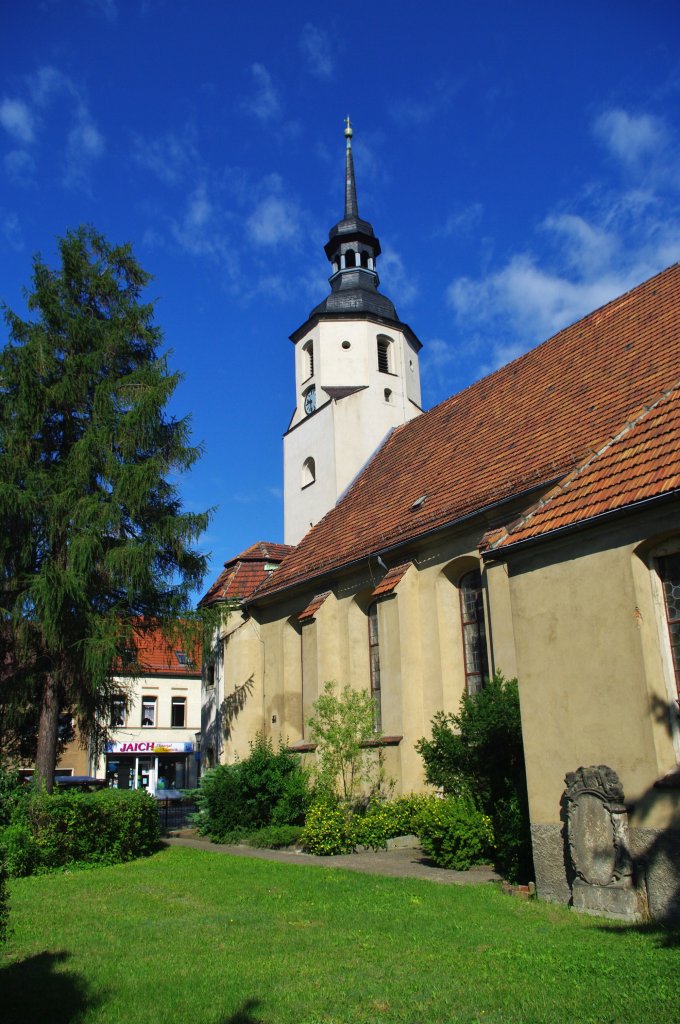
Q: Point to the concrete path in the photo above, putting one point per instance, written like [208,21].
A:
[398,863]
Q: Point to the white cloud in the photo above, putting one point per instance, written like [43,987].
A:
[20,166]
[199,231]
[395,282]
[602,243]
[85,144]
[630,137]
[17,119]
[264,103]
[462,220]
[11,231]
[106,7]
[169,157]
[315,46]
[273,221]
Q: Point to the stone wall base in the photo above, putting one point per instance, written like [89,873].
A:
[656,857]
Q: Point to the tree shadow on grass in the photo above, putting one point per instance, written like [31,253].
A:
[34,991]
[243,1015]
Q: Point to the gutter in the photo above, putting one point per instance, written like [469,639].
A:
[497,554]
[398,545]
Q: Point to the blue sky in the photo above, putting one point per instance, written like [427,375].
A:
[520,163]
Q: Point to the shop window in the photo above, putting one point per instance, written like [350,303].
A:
[374,660]
[669,571]
[178,712]
[148,712]
[117,712]
[476,662]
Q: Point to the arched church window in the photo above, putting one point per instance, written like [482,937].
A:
[669,572]
[308,356]
[384,354]
[388,396]
[476,662]
[308,472]
[374,660]
[350,258]
[364,259]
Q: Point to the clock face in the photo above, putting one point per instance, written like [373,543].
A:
[310,401]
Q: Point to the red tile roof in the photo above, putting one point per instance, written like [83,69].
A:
[157,655]
[391,580]
[243,574]
[640,463]
[308,613]
[523,427]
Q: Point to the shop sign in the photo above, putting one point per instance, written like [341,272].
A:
[149,747]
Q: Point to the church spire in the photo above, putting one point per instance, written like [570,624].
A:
[351,207]
[353,249]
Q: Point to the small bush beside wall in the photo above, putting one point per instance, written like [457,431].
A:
[268,788]
[454,833]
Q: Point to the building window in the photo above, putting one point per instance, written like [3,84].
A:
[178,712]
[374,659]
[384,346]
[308,472]
[117,712]
[474,631]
[148,712]
[210,675]
[669,571]
[388,396]
[308,356]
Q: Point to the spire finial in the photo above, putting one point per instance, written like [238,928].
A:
[351,207]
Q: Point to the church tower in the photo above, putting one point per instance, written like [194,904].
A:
[356,373]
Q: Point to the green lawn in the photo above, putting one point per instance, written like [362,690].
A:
[202,938]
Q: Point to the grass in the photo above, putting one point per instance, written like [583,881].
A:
[193,936]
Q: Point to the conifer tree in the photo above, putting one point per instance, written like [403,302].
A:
[94,544]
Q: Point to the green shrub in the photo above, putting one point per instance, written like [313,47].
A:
[479,753]
[385,820]
[108,827]
[329,829]
[19,850]
[4,900]
[12,792]
[454,833]
[268,787]
[275,837]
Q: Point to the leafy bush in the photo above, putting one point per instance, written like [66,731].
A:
[4,900]
[385,820]
[329,829]
[341,727]
[12,791]
[108,827]
[266,788]
[275,837]
[479,753]
[454,833]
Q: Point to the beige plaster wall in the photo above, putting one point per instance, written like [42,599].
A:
[592,683]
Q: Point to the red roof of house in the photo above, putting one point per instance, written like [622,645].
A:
[243,574]
[308,613]
[157,655]
[640,463]
[523,427]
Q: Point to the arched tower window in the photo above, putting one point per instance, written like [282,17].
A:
[669,571]
[308,356]
[308,472]
[350,258]
[474,631]
[364,259]
[384,354]
[374,660]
